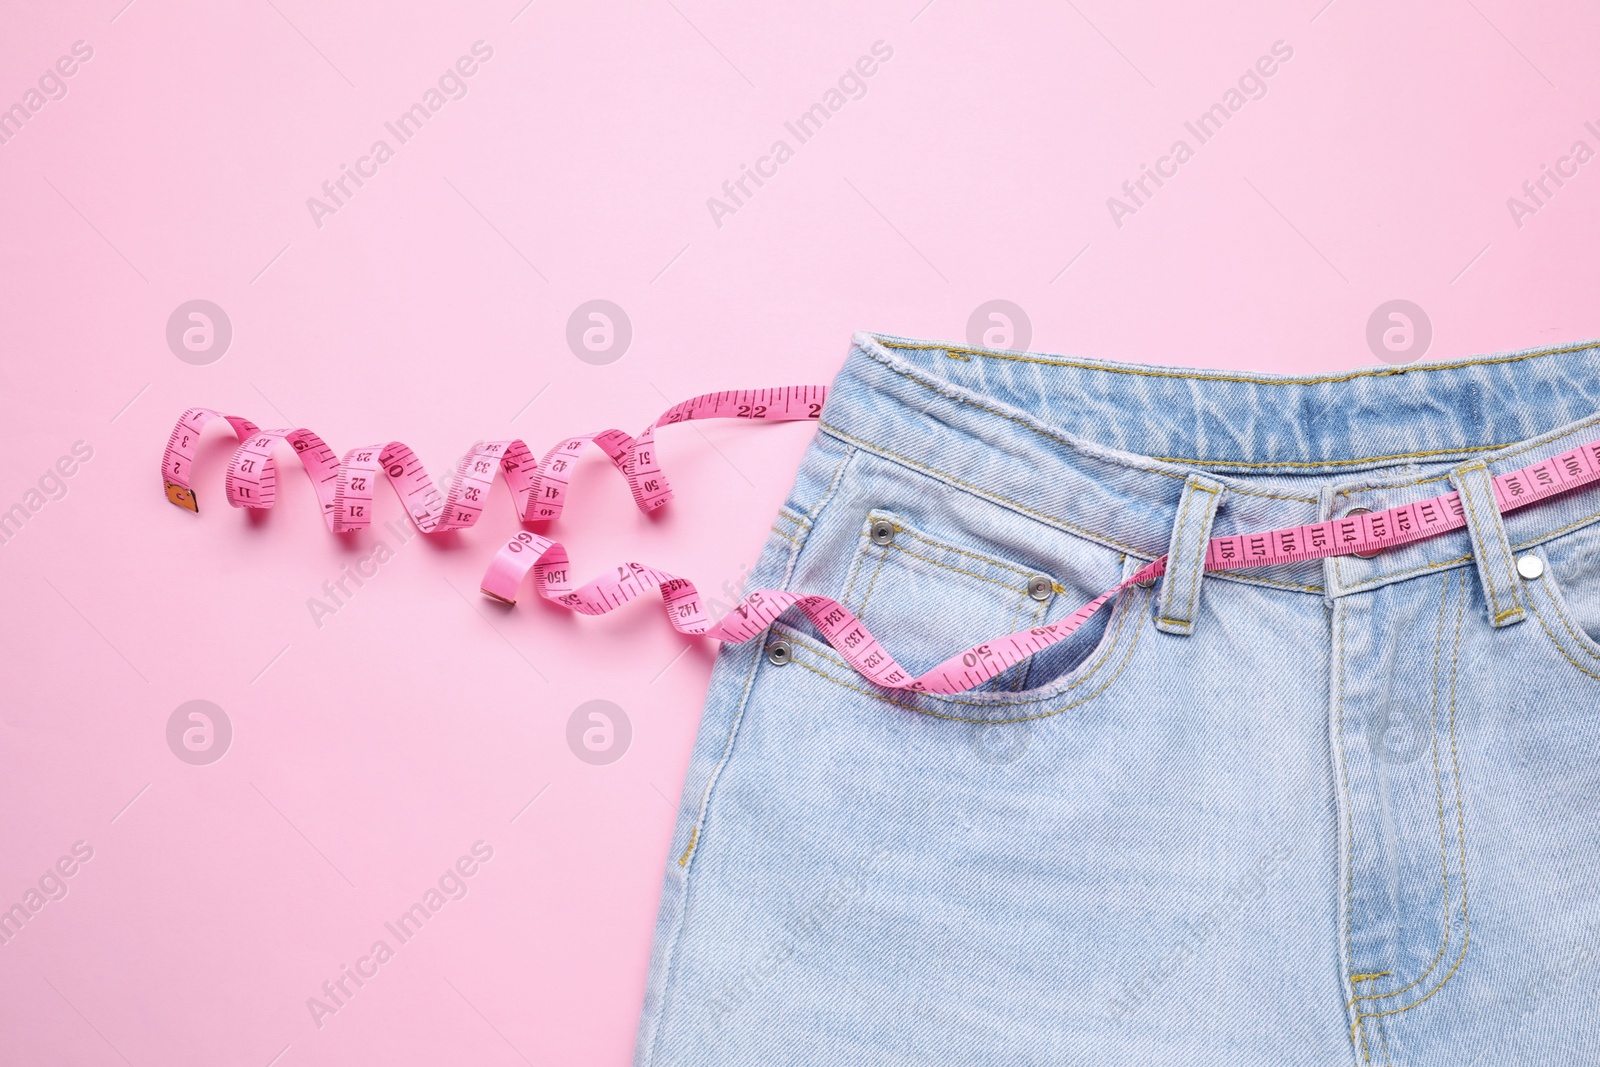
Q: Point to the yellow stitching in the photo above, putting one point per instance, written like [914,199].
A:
[1370,582]
[942,546]
[1384,1037]
[1368,977]
[1503,554]
[1353,490]
[1272,582]
[1561,614]
[1050,520]
[787,512]
[1205,530]
[952,548]
[1438,782]
[833,483]
[1524,450]
[1177,540]
[711,781]
[1556,641]
[1350,808]
[1579,428]
[694,837]
[786,537]
[1333,462]
[1380,579]
[855,572]
[983,722]
[1152,373]
[983,492]
[861,612]
[1557,533]
[1272,496]
[1480,539]
[1255,381]
[1461,830]
[1076,446]
[958,570]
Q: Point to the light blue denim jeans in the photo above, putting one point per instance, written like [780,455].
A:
[1344,812]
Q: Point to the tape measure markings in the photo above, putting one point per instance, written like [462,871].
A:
[540,488]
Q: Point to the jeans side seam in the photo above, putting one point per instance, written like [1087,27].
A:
[786,537]
[670,958]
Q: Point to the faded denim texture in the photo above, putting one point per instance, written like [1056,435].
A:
[1333,813]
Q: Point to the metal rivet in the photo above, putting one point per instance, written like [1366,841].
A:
[1040,587]
[1531,567]
[1361,511]
[779,652]
[882,532]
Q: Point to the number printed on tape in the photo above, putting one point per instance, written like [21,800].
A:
[540,485]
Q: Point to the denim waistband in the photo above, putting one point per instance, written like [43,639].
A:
[1103,448]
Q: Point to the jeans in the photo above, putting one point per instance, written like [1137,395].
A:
[1340,812]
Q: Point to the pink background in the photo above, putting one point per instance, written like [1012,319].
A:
[371,752]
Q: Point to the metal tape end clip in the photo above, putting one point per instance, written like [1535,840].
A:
[182,496]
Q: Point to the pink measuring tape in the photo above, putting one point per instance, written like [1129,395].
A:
[345,488]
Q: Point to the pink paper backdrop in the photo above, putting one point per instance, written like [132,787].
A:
[374,745]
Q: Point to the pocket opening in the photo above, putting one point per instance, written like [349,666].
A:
[926,596]
[1566,598]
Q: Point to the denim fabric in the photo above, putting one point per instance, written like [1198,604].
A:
[1347,814]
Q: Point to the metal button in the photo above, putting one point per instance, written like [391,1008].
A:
[1361,511]
[1040,587]
[1530,567]
[779,652]
[882,532]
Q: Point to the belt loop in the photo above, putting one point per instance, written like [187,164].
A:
[1186,558]
[1496,563]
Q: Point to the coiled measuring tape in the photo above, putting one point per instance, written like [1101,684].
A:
[540,488]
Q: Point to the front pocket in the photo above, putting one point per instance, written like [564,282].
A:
[1565,599]
[926,599]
